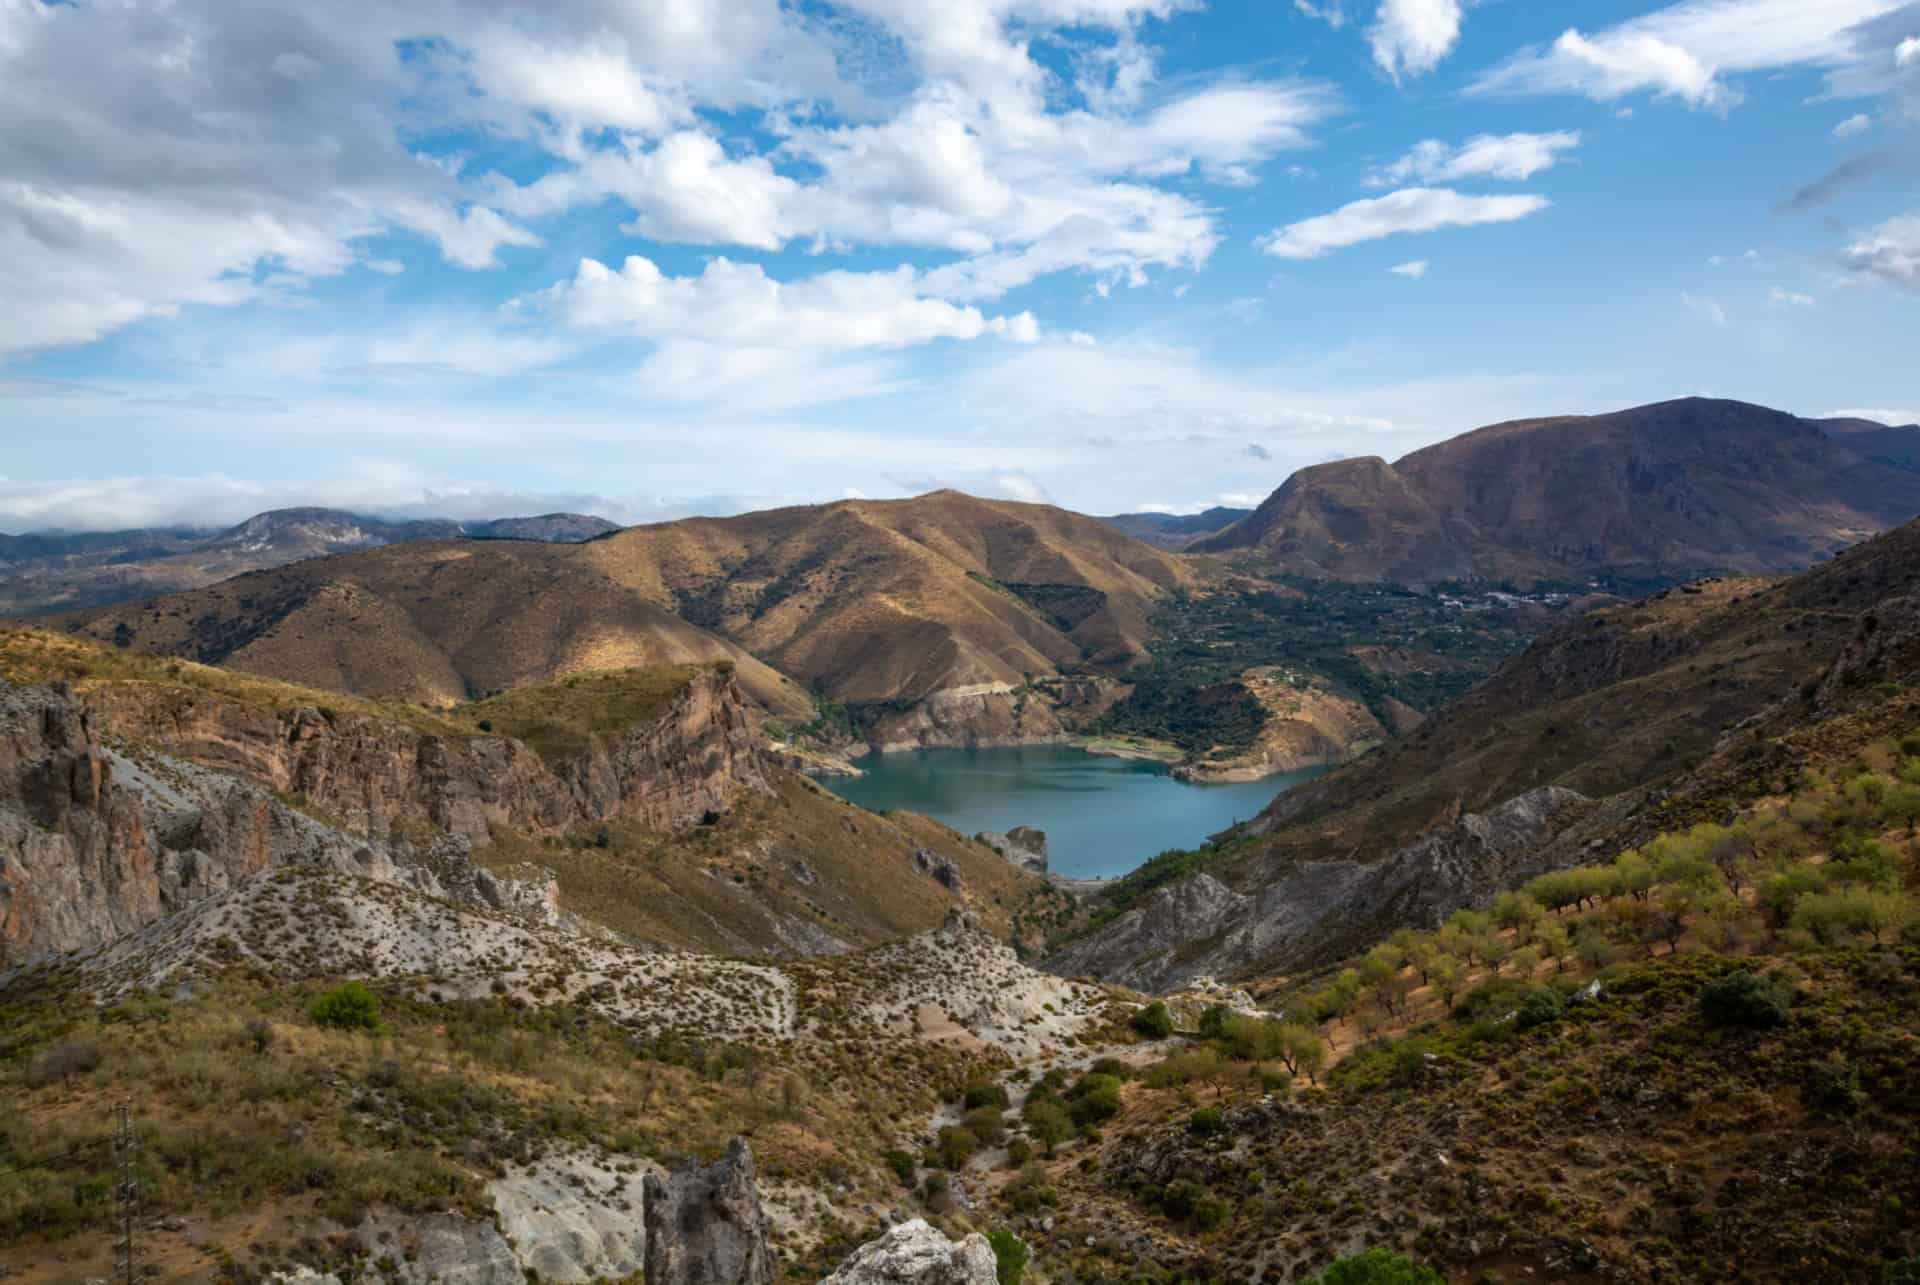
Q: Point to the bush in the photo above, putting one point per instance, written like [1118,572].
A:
[1213,1022]
[61,1063]
[348,1006]
[1206,1122]
[986,1094]
[1094,1098]
[1154,1021]
[1193,1202]
[955,1146]
[1742,999]
[1019,1152]
[902,1165]
[1541,1008]
[1010,1256]
[1378,1267]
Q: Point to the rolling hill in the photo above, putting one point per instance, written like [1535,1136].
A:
[1174,530]
[878,602]
[60,571]
[1666,491]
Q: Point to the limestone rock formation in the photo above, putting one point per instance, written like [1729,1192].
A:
[916,1254]
[704,1225]
[940,869]
[570,1218]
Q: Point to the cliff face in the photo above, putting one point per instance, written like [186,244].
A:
[375,775]
[125,806]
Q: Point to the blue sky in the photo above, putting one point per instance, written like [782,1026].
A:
[651,259]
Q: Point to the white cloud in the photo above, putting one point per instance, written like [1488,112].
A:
[1891,418]
[738,303]
[1704,307]
[1416,268]
[1854,125]
[1502,156]
[1782,297]
[1414,209]
[1907,52]
[1328,11]
[1684,51]
[1411,37]
[1890,252]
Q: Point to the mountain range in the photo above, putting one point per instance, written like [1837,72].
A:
[1175,530]
[1665,491]
[56,571]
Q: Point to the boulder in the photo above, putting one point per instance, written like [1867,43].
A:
[916,1254]
[940,869]
[704,1225]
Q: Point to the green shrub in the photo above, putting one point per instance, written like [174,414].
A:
[1019,1152]
[1378,1267]
[1213,1022]
[956,1146]
[1154,1021]
[1907,1270]
[1094,1098]
[1741,999]
[1206,1122]
[1010,1256]
[902,1165]
[984,1094]
[1195,1203]
[1541,1008]
[349,1006]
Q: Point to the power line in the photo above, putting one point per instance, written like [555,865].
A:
[50,1161]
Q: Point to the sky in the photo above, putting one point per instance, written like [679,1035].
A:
[651,258]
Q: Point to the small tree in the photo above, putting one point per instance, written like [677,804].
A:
[1010,1256]
[349,1006]
[1378,1267]
[1742,999]
[1154,1021]
[1048,1122]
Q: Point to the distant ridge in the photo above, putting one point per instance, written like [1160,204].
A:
[1175,530]
[1659,492]
[54,571]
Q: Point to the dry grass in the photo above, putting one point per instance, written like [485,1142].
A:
[561,719]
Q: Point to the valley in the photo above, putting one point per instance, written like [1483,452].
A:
[1196,917]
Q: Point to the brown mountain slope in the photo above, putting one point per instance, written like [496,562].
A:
[1635,709]
[869,601]
[432,621]
[1669,490]
[894,600]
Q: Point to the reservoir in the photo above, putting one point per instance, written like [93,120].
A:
[1103,816]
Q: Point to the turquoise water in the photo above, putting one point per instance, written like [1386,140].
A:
[1103,815]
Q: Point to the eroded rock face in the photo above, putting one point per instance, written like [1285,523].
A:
[125,806]
[704,1225]
[440,1249]
[916,1254]
[1023,845]
[940,869]
[983,715]
[1313,911]
[572,1219]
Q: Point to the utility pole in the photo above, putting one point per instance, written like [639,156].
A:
[125,1192]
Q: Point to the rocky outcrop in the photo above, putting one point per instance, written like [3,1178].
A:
[1312,911]
[140,799]
[571,1218]
[916,1254]
[1306,727]
[375,774]
[980,716]
[704,1225]
[439,1249]
[941,870]
[1023,845]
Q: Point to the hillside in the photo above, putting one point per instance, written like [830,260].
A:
[1174,530]
[60,571]
[869,603]
[1659,492]
[1603,727]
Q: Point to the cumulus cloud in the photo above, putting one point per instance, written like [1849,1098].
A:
[1856,124]
[738,303]
[1411,37]
[1415,268]
[1513,157]
[1890,252]
[1330,12]
[1685,51]
[1779,296]
[216,153]
[1891,418]
[1414,209]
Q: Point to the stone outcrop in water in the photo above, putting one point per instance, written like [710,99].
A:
[916,1254]
[704,1225]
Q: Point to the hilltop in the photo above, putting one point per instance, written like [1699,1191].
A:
[59,571]
[877,605]
[1175,530]
[1660,492]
